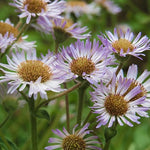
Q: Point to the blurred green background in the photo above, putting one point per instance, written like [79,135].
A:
[135,14]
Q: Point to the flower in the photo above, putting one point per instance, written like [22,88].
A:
[76,140]
[119,101]
[123,43]
[61,29]
[109,5]
[33,8]
[5,41]
[142,81]
[81,7]
[40,75]
[10,33]
[87,60]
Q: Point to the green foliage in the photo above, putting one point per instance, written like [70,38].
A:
[42,114]
[134,13]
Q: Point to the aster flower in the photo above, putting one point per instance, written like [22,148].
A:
[81,7]
[76,140]
[5,41]
[142,80]
[40,75]
[118,101]
[33,8]
[109,5]
[61,29]
[9,33]
[124,44]
[87,60]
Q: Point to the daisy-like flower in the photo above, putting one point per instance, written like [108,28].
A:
[33,8]
[40,75]
[119,101]
[142,80]
[5,41]
[61,29]
[109,5]
[87,60]
[74,141]
[124,43]
[7,30]
[81,7]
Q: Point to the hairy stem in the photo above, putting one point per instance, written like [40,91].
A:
[33,124]
[81,93]
[59,95]
[87,118]
[5,120]
[67,109]
[109,134]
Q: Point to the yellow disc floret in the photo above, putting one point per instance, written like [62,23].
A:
[122,44]
[73,142]
[35,6]
[31,70]
[82,64]
[115,105]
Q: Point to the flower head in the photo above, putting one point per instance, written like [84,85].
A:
[124,44]
[6,35]
[109,5]
[87,60]
[74,141]
[142,81]
[33,8]
[61,29]
[5,41]
[118,101]
[10,33]
[81,7]
[39,74]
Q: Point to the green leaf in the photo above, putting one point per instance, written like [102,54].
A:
[11,144]
[3,147]
[42,114]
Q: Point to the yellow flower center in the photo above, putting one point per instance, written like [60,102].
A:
[73,142]
[123,44]
[82,64]
[68,24]
[31,70]
[35,6]
[139,95]
[102,2]
[116,105]
[5,27]
[76,3]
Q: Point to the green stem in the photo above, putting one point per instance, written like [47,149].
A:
[67,109]
[117,71]
[24,96]
[87,118]
[5,120]
[4,140]
[107,145]
[59,95]
[33,124]
[109,134]
[81,93]
[56,47]
[119,68]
